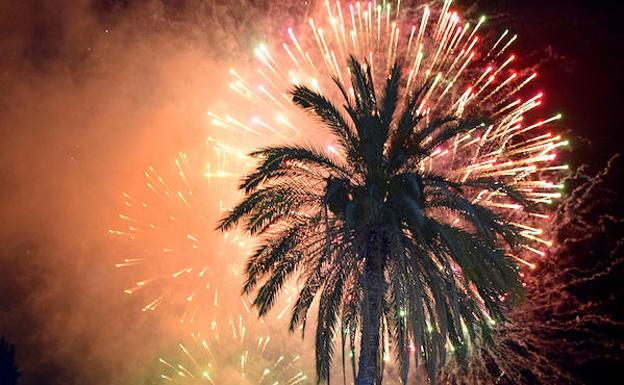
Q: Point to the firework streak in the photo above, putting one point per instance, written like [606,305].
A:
[228,353]
[467,77]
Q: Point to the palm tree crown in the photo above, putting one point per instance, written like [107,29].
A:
[390,250]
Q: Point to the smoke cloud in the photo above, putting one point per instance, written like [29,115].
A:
[94,92]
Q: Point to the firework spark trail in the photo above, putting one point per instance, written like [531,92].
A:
[171,229]
[169,224]
[568,322]
[229,353]
[469,78]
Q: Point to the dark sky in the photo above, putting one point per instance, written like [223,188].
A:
[579,45]
[582,45]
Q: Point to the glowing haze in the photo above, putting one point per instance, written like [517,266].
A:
[172,114]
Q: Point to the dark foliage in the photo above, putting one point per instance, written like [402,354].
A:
[8,369]
[569,330]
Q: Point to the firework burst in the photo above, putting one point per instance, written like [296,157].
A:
[178,258]
[169,224]
[435,46]
[466,75]
[461,73]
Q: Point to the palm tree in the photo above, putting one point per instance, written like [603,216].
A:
[370,235]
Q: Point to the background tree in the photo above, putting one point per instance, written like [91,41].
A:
[390,250]
[8,369]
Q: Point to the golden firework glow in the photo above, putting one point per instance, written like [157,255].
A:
[470,78]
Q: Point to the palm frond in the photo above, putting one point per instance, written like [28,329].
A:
[278,160]
[362,83]
[265,206]
[329,311]
[390,96]
[452,131]
[328,114]
[280,272]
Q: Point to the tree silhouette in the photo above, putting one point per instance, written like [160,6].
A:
[368,234]
[8,369]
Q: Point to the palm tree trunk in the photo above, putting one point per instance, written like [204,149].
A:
[369,362]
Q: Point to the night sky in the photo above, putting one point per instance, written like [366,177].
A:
[580,45]
[61,151]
